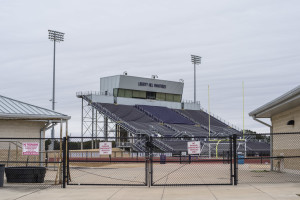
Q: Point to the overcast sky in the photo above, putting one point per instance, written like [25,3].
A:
[257,42]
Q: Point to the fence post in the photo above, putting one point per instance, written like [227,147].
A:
[64,161]
[180,157]
[230,156]
[151,161]
[235,173]
[68,161]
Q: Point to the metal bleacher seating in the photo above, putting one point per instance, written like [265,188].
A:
[171,126]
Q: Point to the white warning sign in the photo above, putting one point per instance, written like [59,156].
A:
[194,147]
[30,148]
[105,148]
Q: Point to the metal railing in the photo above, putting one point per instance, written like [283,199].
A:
[87,93]
[221,119]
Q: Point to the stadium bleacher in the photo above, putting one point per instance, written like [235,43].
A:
[166,115]
[258,147]
[165,122]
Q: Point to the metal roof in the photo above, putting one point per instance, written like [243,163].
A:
[14,109]
[286,101]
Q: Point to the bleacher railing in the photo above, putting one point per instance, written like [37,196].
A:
[87,93]
[221,119]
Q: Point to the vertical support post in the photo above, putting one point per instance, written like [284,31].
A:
[235,171]
[230,157]
[271,148]
[81,123]
[93,127]
[209,151]
[147,171]
[180,157]
[245,144]
[194,82]
[106,128]
[53,96]
[64,162]
[67,152]
[68,162]
[42,146]
[243,113]
[208,114]
[96,131]
[151,161]
[53,89]
[60,151]
[223,157]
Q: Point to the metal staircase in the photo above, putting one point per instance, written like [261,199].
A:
[161,145]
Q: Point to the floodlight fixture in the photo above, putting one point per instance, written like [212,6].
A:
[196,59]
[56,36]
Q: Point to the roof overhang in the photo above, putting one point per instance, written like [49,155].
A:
[285,102]
[33,117]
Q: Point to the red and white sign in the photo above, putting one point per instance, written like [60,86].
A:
[194,147]
[105,148]
[30,148]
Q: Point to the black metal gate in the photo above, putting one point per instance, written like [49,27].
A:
[176,167]
[86,166]
[153,163]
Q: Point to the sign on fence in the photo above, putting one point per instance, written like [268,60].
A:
[30,148]
[105,148]
[194,147]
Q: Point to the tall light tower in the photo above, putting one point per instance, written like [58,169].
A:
[196,60]
[54,36]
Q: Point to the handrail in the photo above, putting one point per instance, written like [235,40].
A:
[162,144]
[221,119]
[86,93]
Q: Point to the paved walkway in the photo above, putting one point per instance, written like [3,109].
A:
[242,191]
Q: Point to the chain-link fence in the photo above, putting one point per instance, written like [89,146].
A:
[31,162]
[270,158]
[89,163]
[191,161]
[155,161]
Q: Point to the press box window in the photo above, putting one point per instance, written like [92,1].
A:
[139,94]
[115,92]
[150,95]
[160,96]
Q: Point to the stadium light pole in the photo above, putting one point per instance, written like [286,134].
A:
[54,36]
[196,60]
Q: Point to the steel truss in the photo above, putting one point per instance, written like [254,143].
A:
[94,124]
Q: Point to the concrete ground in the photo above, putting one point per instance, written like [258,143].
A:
[242,191]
